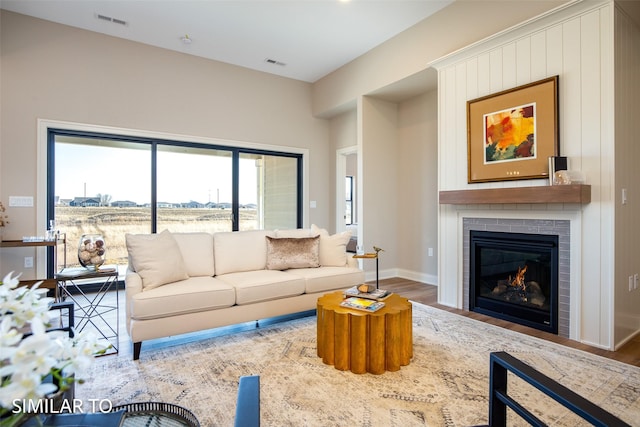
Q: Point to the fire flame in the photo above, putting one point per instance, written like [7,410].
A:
[518,281]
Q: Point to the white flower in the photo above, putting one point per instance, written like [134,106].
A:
[26,361]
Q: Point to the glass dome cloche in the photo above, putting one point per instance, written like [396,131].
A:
[91,251]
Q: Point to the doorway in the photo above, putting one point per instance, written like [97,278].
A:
[347,209]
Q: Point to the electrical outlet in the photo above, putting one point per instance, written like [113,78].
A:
[28,262]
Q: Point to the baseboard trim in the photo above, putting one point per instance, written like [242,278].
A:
[390,273]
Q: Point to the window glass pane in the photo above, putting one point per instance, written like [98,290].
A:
[348,207]
[101,187]
[271,182]
[250,191]
[194,189]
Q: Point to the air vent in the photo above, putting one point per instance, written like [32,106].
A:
[110,19]
[274,62]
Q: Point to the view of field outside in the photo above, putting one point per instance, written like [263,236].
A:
[114,223]
[104,187]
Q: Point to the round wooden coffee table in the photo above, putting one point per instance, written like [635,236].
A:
[359,341]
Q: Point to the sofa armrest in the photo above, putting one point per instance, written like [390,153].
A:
[133,283]
[132,286]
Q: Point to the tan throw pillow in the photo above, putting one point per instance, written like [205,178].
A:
[156,258]
[285,253]
[333,249]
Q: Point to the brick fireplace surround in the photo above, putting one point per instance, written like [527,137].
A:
[561,228]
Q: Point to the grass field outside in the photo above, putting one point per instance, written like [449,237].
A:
[114,222]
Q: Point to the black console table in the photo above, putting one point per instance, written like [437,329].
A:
[92,308]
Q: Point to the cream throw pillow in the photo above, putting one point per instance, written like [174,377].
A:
[156,258]
[333,249]
[289,252]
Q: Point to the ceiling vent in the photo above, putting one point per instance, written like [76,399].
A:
[110,19]
[274,62]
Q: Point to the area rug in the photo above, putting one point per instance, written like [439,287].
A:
[446,383]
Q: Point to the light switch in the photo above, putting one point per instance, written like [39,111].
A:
[312,204]
[21,201]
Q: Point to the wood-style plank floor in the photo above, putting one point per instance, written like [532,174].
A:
[428,295]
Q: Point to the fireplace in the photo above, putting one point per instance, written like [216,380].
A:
[514,276]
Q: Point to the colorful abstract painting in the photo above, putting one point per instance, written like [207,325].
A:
[510,134]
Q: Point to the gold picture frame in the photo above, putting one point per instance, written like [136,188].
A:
[511,134]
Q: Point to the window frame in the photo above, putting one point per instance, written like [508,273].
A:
[48,131]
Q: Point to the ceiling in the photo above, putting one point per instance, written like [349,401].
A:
[299,39]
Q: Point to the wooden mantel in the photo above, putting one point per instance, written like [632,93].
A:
[575,193]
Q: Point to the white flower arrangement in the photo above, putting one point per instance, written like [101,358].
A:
[26,361]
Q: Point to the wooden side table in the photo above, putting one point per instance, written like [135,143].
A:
[359,341]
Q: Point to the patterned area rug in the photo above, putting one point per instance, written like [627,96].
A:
[446,383]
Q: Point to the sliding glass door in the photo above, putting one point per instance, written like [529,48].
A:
[113,185]
[101,187]
[194,190]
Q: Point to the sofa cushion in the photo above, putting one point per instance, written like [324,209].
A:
[186,296]
[240,251]
[197,253]
[284,253]
[263,285]
[333,249]
[156,258]
[325,279]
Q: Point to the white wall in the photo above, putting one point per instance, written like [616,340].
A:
[51,71]
[452,28]
[575,43]
[378,186]
[418,188]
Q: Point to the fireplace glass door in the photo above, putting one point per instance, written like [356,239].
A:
[514,276]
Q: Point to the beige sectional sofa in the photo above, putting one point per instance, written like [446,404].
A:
[186,282]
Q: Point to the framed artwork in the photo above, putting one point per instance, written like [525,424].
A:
[511,134]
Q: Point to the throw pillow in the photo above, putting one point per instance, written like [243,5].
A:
[333,249]
[156,258]
[287,252]
[295,233]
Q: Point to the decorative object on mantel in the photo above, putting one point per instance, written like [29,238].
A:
[574,193]
[511,134]
[556,164]
[568,177]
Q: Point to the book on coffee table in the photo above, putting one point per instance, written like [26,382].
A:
[376,294]
[362,304]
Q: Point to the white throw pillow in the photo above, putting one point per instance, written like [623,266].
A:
[333,249]
[156,258]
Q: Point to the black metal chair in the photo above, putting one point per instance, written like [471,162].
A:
[501,363]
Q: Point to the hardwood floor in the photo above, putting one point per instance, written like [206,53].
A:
[428,295]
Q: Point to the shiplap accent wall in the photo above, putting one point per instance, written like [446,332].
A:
[627,172]
[576,43]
